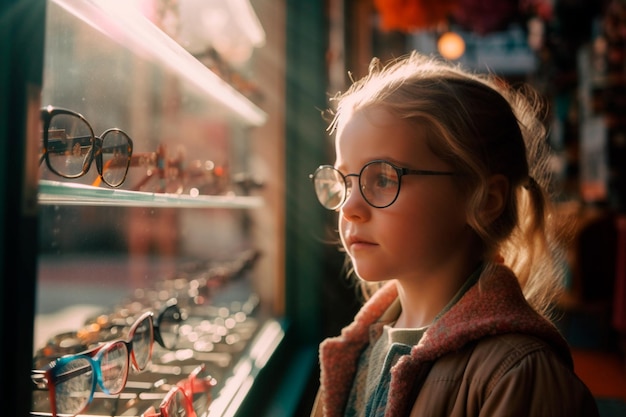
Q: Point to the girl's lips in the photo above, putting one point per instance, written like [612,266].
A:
[357,242]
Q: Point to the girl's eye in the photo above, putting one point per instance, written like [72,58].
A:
[385,181]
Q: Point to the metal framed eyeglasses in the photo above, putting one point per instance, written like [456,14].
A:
[69,146]
[379,183]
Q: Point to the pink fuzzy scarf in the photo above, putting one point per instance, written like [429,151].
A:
[495,305]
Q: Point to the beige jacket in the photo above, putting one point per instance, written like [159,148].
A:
[489,355]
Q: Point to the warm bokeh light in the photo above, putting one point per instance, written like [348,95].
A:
[451,45]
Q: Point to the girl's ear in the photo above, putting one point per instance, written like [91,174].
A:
[497,195]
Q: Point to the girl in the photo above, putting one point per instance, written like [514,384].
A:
[440,183]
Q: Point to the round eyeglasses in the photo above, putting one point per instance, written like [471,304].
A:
[69,146]
[379,183]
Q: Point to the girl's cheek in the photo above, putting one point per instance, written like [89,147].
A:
[342,229]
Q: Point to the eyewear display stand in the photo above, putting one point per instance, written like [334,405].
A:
[76,248]
[111,250]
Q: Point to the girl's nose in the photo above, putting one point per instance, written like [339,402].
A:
[354,208]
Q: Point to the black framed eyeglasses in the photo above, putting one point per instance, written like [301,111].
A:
[379,183]
[69,146]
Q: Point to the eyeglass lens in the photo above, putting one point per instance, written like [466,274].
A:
[70,141]
[74,385]
[166,327]
[115,157]
[379,184]
[330,187]
[73,376]
[113,367]
[70,149]
[142,337]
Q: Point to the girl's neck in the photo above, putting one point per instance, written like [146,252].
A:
[424,297]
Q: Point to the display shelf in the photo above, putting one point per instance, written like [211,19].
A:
[233,390]
[71,194]
[229,398]
[124,23]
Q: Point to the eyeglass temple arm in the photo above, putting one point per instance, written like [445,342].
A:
[151,412]
[38,377]
[51,148]
[406,171]
[56,144]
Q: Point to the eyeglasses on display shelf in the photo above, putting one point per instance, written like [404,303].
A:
[190,397]
[69,146]
[71,380]
[167,324]
[195,285]
[104,328]
[379,183]
[172,173]
[213,330]
[197,324]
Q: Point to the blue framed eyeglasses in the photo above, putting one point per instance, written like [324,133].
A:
[72,379]
[379,183]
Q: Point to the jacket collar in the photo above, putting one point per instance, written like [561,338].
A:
[495,304]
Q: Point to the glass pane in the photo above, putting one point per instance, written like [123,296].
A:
[180,222]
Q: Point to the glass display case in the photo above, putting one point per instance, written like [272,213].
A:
[158,186]
[146,188]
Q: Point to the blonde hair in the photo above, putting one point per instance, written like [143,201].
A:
[481,126]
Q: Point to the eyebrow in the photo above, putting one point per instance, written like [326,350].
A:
[386,159]
[370,159]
